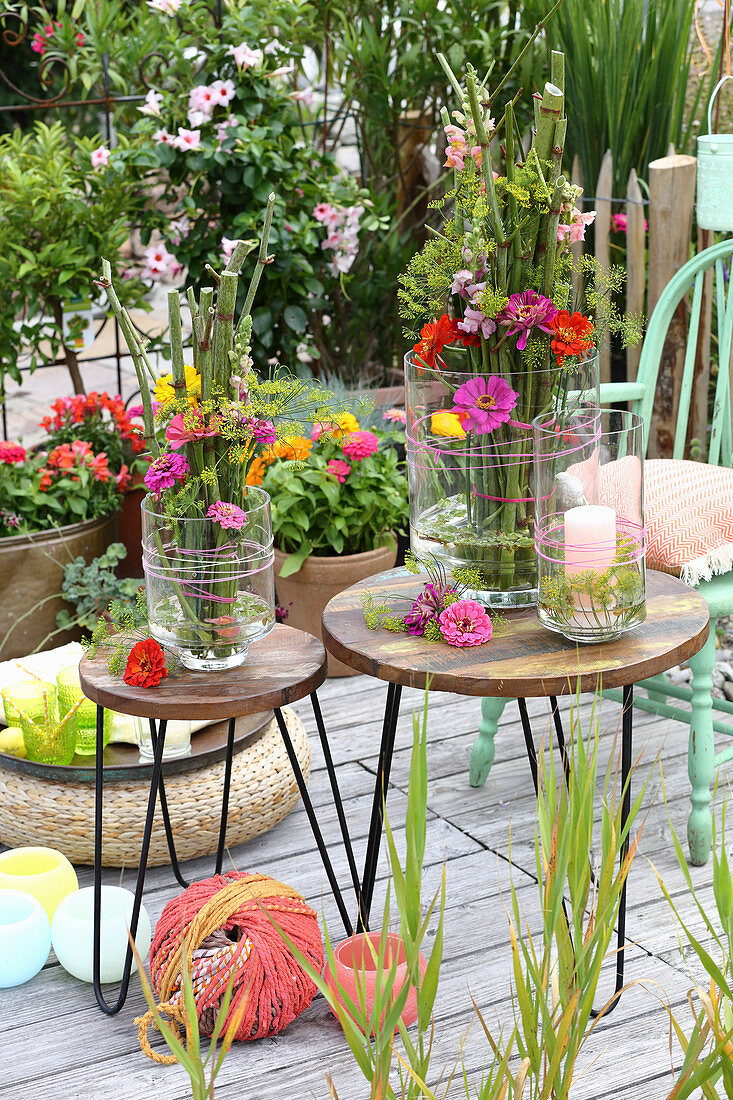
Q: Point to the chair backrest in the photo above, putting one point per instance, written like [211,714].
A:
[641,394]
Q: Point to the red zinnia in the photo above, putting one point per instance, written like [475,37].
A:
[433,338]
[570,334]
[145,665]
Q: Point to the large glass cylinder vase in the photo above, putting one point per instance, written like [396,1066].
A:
[472,490]
[210,588]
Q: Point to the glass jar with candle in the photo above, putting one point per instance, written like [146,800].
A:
[589,530]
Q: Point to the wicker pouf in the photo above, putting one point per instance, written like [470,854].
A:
[61,815]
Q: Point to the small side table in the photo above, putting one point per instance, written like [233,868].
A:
[285,666]
[526,661]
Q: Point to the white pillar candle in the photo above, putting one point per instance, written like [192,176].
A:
[590,538]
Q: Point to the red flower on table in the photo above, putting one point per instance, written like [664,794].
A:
[145,665]
[570,334]
[433,338]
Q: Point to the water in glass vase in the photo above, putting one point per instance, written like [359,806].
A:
[472,501]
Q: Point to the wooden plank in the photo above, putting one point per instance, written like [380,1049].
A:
[671,205]
[602,228]
[635,265]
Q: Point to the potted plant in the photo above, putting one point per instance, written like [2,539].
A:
[55,505]
[104,422]
[64,200]
[338,500]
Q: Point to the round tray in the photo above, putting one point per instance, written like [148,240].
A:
[122,762]
[38,810]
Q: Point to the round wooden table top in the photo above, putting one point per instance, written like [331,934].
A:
[527,660]
[281,668]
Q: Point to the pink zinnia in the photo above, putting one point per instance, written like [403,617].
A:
[263,430]
[465,623]
[227,515]
[396,416]
[339,469]
[526,311]
[188,428]
[487,401]
[165,471]
[359,445]
[12,452]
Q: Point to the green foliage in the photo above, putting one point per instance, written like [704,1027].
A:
[627,72]
[58,216]
[91,588]
[709,1049]
[313,513]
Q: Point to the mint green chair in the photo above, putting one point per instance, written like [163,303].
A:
[718,592]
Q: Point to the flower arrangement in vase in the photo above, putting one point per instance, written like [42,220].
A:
[207,534]
[502,337]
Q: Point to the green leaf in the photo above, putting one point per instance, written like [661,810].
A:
[295,318]
[294,562]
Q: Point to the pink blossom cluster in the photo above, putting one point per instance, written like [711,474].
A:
[244,57]
[459,145]
[203,99]
[574,229]
[359,445]
[159,263]
[342,225]
[42,39]
[185,140]
[619,223]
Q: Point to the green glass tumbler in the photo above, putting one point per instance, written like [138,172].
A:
[47,742]
[85,719]
[28,696]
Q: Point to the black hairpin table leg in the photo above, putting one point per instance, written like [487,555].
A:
[626,761]
[313,819]
[389,730]
[110,1010]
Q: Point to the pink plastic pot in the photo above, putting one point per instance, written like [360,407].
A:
[355,963]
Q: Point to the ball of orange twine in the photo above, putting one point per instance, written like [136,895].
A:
[229,925]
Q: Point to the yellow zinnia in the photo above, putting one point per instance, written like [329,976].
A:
[340,426]
[447,423]
[165,393]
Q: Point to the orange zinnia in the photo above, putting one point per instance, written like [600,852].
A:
[145,665]
[290,447]
[433,338]
[255,472]
[571,334]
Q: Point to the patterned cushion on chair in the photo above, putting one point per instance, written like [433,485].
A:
[688,509]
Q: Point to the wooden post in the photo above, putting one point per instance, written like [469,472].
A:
[671,203]
[635,264]
[577,248]
[413,129]
[602,226]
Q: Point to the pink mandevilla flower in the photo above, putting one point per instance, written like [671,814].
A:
[100,157]
[465,623]
[487,401]
[304,95]
[244,57]
[227,247]
[339,469]
[153,103]
[227,515]
[359,445]
[187,140]
[525,311]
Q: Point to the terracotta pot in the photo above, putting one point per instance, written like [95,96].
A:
[130,532]
[31,569]
[305,594]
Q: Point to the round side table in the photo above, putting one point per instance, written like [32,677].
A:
[525,661]
[285,666]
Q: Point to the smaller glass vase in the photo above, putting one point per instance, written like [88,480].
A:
[177,740]
[85,719]
[589,532]
[210,591]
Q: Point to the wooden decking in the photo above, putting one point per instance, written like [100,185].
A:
[56,1045]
